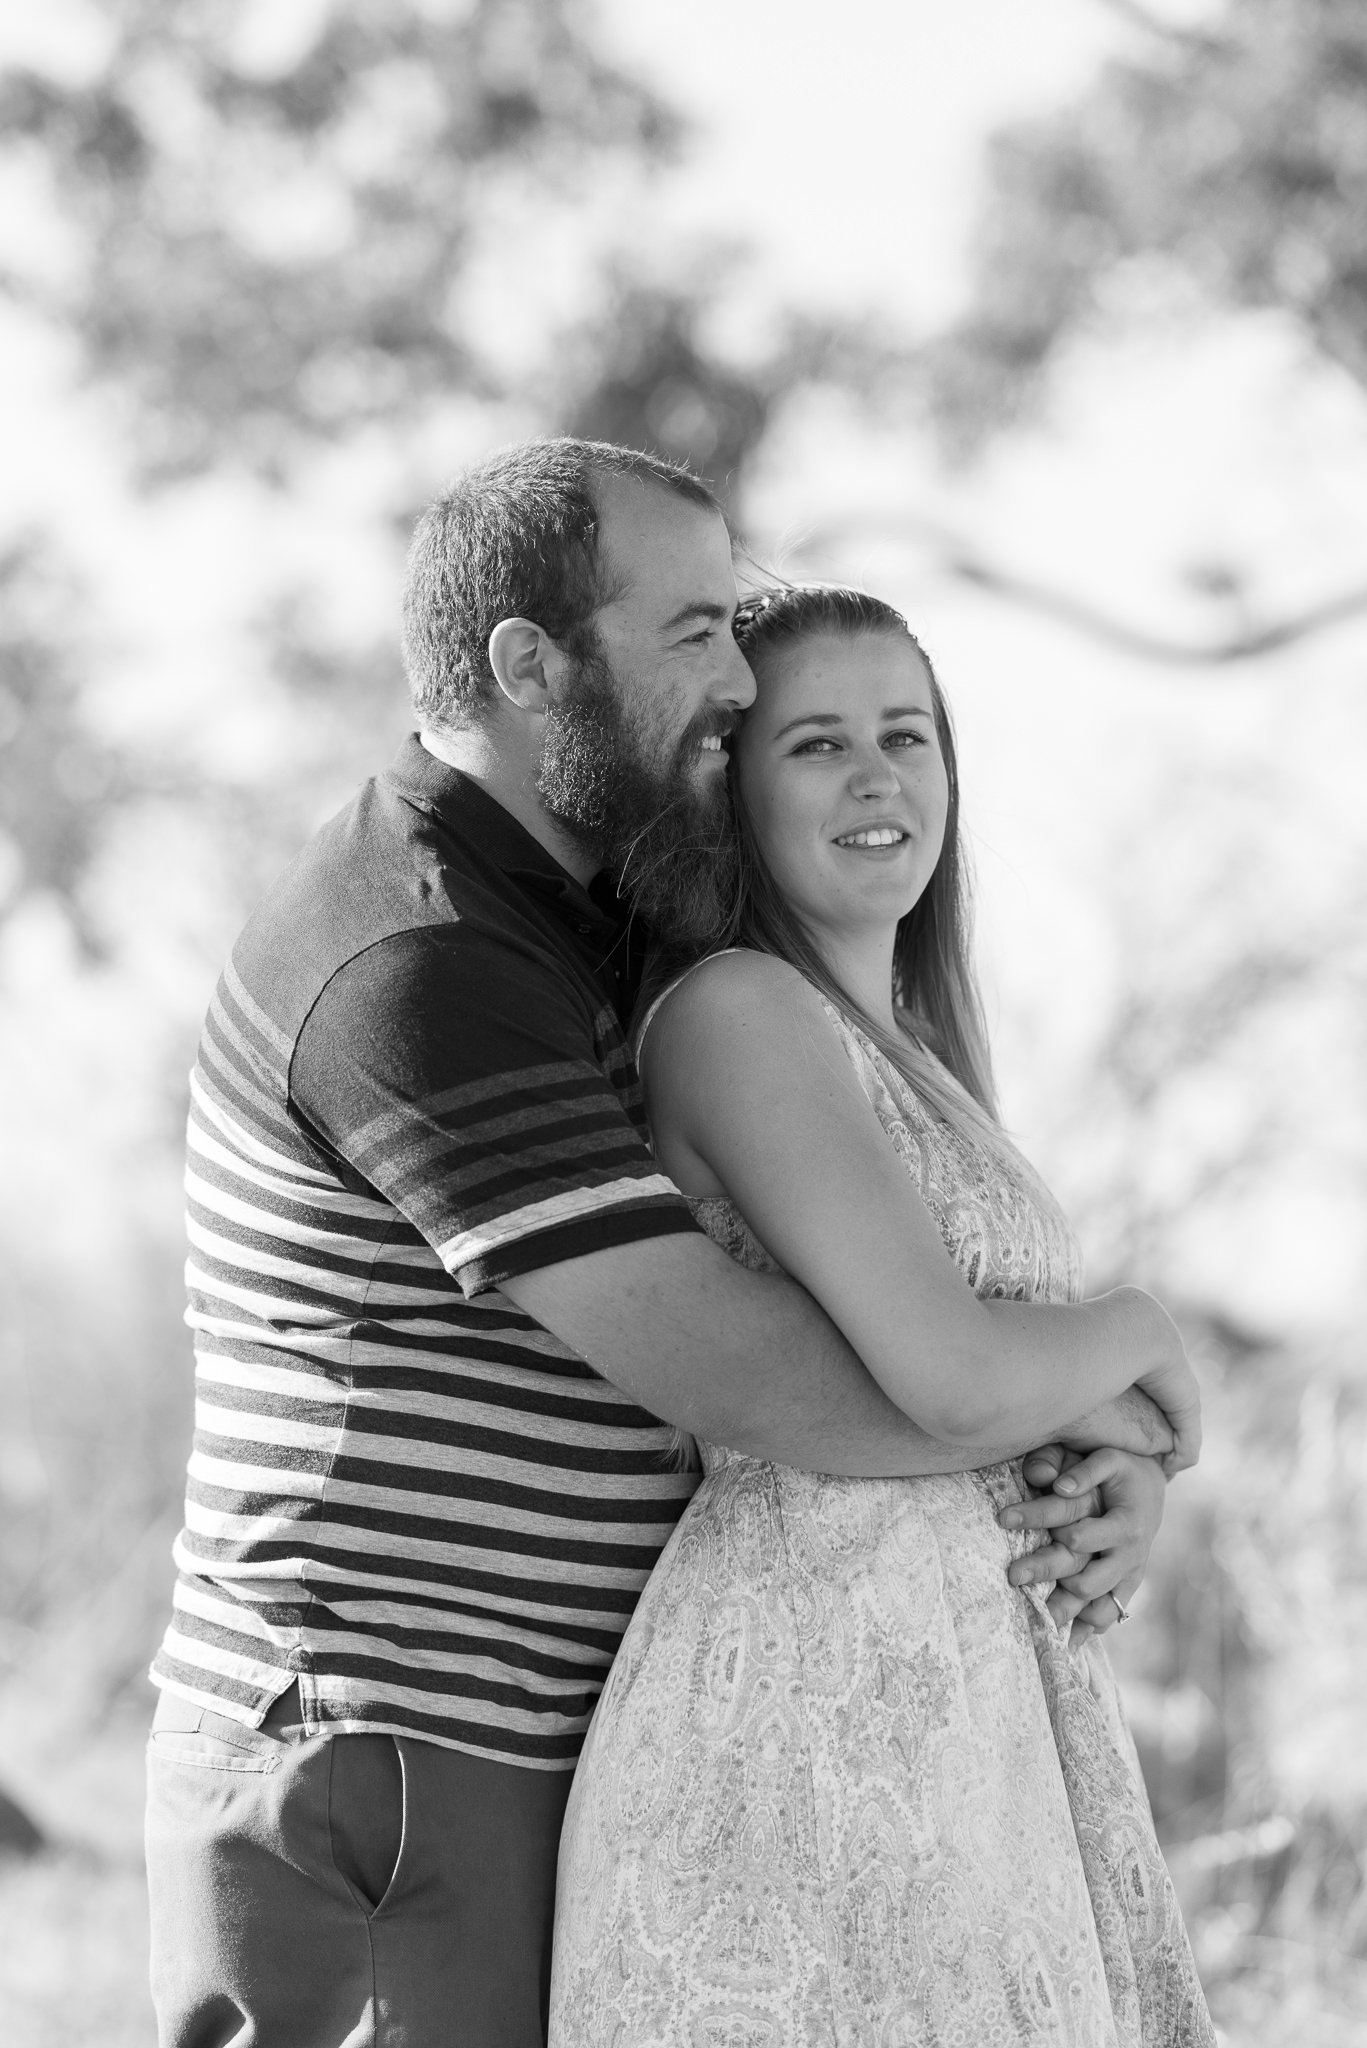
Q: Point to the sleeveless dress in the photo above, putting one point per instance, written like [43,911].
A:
[846,1787]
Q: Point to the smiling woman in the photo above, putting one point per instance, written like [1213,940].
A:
[852,1777]
[844,786]
[852,725]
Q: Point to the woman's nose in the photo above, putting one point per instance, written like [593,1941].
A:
[873,774]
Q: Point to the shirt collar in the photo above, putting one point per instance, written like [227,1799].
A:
[467,808]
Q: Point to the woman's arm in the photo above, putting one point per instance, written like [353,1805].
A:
[751,1093]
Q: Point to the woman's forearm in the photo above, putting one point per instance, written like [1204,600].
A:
[751,1091]
[1034,1368]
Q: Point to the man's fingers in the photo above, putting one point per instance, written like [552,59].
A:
[1093,1470]
[1063,1606]
[1186,1448]
[1042,1467]
[1096,1533]
[1055,1561]
[1050,1511]
[1098,1577]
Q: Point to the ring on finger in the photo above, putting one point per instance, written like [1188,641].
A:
[1121,1613]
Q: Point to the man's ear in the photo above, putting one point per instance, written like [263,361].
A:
[526,663]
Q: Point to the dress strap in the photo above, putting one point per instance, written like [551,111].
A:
[638,1039]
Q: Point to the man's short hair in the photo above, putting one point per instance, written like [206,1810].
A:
[516,537]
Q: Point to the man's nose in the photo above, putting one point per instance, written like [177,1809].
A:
[737,684]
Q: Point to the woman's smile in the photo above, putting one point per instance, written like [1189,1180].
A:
[875,839]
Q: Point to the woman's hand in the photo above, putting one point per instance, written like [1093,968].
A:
[1107,1508]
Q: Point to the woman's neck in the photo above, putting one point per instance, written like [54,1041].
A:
[861,962]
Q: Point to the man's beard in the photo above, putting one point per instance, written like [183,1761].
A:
[669,839]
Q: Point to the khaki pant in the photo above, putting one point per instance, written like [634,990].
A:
[344,1891]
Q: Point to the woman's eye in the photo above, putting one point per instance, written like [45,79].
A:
[818,746]
[904,738]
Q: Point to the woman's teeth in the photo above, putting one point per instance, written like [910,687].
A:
[881,835]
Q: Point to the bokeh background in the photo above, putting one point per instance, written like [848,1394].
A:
[1047,321]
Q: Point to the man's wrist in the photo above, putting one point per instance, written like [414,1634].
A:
[1132,1422]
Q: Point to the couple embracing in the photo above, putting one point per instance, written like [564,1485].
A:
[716,1344]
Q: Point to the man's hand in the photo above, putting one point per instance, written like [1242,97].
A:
[1131,1423]
[1107,1508]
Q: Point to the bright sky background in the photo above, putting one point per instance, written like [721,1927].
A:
[844,141]
[844,145]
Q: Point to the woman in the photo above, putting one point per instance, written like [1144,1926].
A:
[847,1783]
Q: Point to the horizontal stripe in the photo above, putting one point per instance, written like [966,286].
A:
[244,1140]
[570,1207]
[246,1667]
[552,1077]
[479,1393]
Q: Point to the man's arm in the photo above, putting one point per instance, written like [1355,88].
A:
[749,1360]
[457,1080]
[1132,1422]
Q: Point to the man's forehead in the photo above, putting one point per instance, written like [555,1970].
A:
[659,550]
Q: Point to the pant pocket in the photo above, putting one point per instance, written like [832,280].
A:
[185,1733]
[366,1813]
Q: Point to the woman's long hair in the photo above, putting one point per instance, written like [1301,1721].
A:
[934,984]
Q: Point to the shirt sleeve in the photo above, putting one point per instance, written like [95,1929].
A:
[471,1084]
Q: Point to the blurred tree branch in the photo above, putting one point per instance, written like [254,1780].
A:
[1137,15]
[966,563]
[1228,154]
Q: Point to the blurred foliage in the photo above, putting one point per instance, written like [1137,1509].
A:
[264,257]
[646,373]
[1229,156]
[60,783]
[1243,1691]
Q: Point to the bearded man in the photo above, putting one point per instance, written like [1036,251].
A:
[446,1306]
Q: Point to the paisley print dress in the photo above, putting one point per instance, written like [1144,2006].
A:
[845,1786]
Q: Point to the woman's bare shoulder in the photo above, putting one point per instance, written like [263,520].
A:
[734,990]
[748,1016]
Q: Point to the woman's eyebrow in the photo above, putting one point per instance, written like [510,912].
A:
[810,718]
[834,717]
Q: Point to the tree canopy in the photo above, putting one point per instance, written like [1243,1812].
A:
[1230,157]
[266,250]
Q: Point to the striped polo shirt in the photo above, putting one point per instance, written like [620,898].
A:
[405,1494]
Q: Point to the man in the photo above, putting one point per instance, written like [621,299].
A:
[443,1297]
